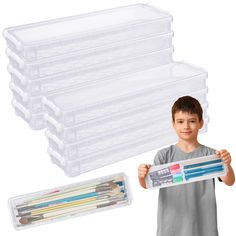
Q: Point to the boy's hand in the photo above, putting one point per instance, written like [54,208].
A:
[143,170]
[225,156]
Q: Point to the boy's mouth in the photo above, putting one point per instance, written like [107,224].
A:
[187,132]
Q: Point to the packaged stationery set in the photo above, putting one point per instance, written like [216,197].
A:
[187,171]
[102,84]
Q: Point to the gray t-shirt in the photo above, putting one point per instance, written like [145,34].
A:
[188,209]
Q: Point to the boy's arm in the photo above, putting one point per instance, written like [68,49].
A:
[229,179]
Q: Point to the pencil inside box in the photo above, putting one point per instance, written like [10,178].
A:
[139,88]
[60,36]
[186,171]
[115,153]
[70,201]
[155,110]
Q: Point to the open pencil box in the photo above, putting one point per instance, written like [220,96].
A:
[70,201]
[187,171]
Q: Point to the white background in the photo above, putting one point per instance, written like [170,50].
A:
[205,35]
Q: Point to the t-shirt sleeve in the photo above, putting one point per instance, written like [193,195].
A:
[158,159]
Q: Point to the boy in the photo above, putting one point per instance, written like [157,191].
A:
[189,209]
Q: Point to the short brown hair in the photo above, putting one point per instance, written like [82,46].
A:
[187,104]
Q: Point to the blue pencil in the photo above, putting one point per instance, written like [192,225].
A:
[202,164]
[202,169]
[201,173]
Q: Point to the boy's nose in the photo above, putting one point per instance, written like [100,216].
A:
[186,125]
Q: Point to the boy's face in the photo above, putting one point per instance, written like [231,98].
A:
[187,125]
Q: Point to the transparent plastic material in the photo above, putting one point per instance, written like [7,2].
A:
[75,61]
[46,39]
[116,122]
[187,171]
[34,103]
[111,69]
[133,90]
[93,144]
[69,201]
[35,120]
[118,153]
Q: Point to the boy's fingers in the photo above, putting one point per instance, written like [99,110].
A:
[225,154]
[218,153]
[223,151]
[142,165]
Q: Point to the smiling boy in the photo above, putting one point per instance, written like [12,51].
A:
[190,209]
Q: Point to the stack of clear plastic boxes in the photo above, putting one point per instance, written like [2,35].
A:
[102,83]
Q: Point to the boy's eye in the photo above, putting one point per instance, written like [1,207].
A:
[180,122]
[193,121]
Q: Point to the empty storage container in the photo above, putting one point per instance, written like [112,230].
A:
[155,110]
[34,103]
[70,34]
[86,75]
[136,89]
[110,139]
[118,153]
[74,61]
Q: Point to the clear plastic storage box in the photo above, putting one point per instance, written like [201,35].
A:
[136,89]
[116,122]
[86,75]
[118,153]
[187,171]
[69,201]
[77,33]
[90,57]
[114,138]
[34,103]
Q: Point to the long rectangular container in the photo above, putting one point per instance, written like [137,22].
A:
[85,147]
[109,124]
[90,74]
[35,105]
[76,33]
[79,105]
[74,61]
[72,200]
[103,158]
